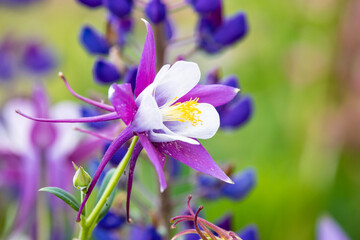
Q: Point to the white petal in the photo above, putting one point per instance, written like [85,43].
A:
[18,127]
[149,90]
[148,116]
[205,129]
[176,82]
[168,136]
[66,137]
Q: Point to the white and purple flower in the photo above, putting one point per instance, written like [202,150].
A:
[167,111]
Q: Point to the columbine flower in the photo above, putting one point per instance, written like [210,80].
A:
[169,111]
[205,229]
[39,154]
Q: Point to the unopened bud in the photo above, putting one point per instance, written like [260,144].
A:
[81,180]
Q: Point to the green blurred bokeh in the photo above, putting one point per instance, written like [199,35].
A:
[287,64]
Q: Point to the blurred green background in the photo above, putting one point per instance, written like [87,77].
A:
[306,164]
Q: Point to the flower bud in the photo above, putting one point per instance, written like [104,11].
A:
[91,3]
[119,8]
[81,179]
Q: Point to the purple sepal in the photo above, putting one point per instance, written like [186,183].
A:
[135,154]
[205,6]
[157,159]
[251,232]
[237,113]
[91,3]
[195,156]
[130,76]
[124,136]
[232,30]
[328,229]
[105,72]
[93,41]
[122,99]
[146,70]
[244,182]
[37,59]
[215,94]
[155,10]
[119,8]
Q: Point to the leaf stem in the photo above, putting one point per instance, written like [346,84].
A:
[89,224]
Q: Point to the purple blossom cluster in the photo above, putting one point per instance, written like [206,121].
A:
[30,57]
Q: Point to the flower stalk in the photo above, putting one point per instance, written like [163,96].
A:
[88,223]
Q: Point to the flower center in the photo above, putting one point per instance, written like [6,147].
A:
[183,112]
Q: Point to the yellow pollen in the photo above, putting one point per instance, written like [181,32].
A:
[183,112]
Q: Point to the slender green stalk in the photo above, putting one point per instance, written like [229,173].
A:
[88,224]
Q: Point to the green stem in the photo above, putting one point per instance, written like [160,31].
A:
[90,222]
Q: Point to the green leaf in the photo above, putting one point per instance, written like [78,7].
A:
[68,198]
[110,199]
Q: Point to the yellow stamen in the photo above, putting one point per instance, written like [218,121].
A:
[183,112]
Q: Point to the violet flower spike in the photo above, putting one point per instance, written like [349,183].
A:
[169,111]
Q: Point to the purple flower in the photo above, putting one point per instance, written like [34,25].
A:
[36,143]
[156,11]
[216,33]
[105,72]
[238,111]
[328,229]
[93,41]
[169,111]
[211,188]
[119,8]
[30,56]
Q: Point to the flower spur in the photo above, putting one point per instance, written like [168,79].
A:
[168,112]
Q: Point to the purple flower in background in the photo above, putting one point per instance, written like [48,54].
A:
[238,111]
[24,56]
[35,145]
[211,188]
[105,72]
[214,32]
[328,229]
[156,11]
[93,41]
[169,111]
